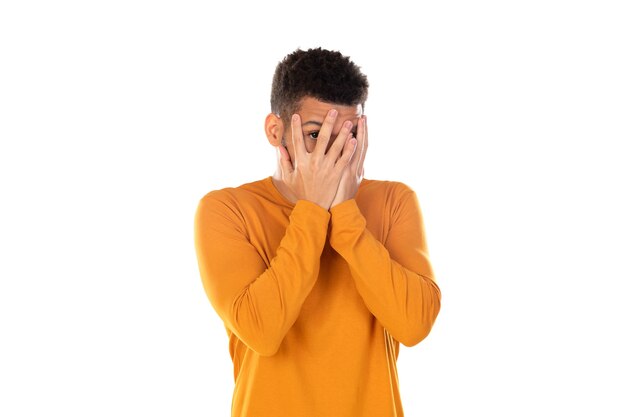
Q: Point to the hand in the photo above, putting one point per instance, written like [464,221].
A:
[315,176]
[353,174]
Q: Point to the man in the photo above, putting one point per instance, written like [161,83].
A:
[317,273]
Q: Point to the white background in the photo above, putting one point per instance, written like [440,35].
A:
[507,118]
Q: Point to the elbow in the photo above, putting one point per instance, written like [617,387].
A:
[259,333]
[262,339]
[265,347]
[417,329]
[261,342]
[415,334]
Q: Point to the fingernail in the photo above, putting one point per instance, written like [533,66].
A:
[294,118]
[332,113]
[348,125]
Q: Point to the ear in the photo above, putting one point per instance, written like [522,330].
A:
[274,129]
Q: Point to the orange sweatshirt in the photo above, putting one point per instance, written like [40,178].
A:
[315,302]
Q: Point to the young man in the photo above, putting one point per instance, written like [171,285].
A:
[317,273]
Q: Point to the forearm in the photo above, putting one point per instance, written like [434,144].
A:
[405,301]
[260,303]
[266,309]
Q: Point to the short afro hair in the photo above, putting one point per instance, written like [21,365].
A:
[325,75]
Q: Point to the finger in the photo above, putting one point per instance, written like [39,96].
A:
[347,147]
[340,141]
[355,161]
[325,132]
[363,142]
[347,154]
[299,149]
[285,160]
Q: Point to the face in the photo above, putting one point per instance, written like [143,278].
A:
[312,113]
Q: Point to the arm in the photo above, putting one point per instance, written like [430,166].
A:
[256,302]
[395,280]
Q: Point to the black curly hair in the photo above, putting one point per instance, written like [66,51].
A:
[325,75]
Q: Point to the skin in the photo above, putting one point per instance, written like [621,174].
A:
[325,148]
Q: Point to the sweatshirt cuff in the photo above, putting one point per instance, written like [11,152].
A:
[308,213]
[346,209]
[347,222]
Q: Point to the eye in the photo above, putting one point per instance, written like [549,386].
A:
[313,135]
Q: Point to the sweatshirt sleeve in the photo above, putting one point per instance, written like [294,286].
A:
[395,280]
[257,302]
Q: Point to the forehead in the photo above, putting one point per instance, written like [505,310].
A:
[311,108]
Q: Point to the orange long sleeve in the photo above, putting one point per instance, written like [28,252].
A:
[257,302]
[395,280]
[315,303]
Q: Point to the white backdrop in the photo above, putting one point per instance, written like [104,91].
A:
[117,117]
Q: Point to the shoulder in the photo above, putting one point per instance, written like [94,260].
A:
[231,195]
[384,189]
[232,200]
[387,198]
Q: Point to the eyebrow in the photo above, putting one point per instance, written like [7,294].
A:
[313,122]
